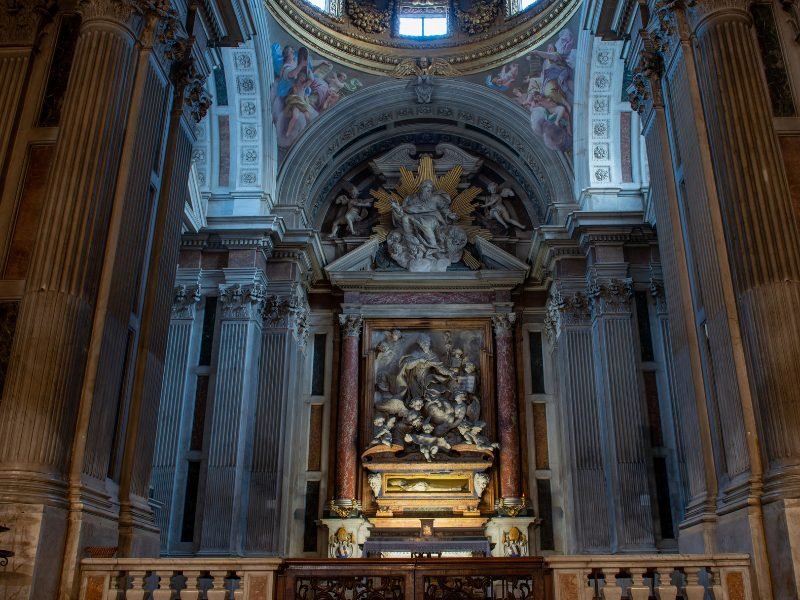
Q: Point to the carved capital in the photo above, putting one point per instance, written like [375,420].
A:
[20,21]
[657,292]
[241,302]
[351,325]
[700,11]
[613,296]
[290,312]
[184,300]
[566,310]
[197,99]
[504,324]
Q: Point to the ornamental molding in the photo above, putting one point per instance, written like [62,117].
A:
[340,41]
[612,296]
[242,302]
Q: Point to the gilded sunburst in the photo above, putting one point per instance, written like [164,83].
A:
[410,183]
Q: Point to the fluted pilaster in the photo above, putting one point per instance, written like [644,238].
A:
[571,332]
[175,409]
[231,431]
[622,414]
[284,333]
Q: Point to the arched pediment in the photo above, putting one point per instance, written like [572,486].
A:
[385,115]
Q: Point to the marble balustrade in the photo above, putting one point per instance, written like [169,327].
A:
[577,577]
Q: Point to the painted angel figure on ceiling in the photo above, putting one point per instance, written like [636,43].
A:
[422,71]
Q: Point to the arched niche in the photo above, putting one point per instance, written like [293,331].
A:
[380,117]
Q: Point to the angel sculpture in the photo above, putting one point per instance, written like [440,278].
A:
[422,72]
[497,207]
[352,211]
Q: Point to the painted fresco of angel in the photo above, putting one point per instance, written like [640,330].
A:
[496,206]
[351,211]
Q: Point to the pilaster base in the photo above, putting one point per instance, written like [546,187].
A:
[511,536]
[36,536]
[782,525]
[346,537]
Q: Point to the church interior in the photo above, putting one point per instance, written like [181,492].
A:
[399,299]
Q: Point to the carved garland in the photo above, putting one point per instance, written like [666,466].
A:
[367,17]
[479,18]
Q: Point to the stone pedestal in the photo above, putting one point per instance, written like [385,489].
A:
[512,537]
[347,422]
[346,537]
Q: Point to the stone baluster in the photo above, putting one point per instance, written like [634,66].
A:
[218,592]
[693,589]
[507,408]
[569,327]
[164,590]
[612,590]
[137,590]
[283,340]
[232,419]
[191,591]
[347,422]
[239,592]
[639,590]
[666,590]
[115,592]
[622,413]
[715,583]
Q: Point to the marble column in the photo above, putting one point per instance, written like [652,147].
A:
[622,414]
[570,329]
[175,415]
[232,417]
[759,224]
[761,235]
[347,422]
[42,391]
[507,408]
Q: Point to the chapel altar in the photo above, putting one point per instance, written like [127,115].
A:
[428,439]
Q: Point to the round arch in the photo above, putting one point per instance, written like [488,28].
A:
[377,118]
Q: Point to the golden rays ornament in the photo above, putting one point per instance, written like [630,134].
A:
[410,183]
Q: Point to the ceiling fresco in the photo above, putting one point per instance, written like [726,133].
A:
[306,85]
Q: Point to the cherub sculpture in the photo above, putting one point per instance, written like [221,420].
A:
[422,71]
[351,211]
[497,208]
[383,434]
[471,432]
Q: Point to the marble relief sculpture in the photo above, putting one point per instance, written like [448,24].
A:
[351,211]
[428,401]
[497,208]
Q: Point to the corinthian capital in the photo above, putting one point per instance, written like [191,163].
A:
[613,296]
[700,11]
[504,324]
[20,21]
[351,325]
[241,301]
[184,301]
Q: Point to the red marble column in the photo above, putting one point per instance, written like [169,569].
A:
[507,410]
[347,426]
